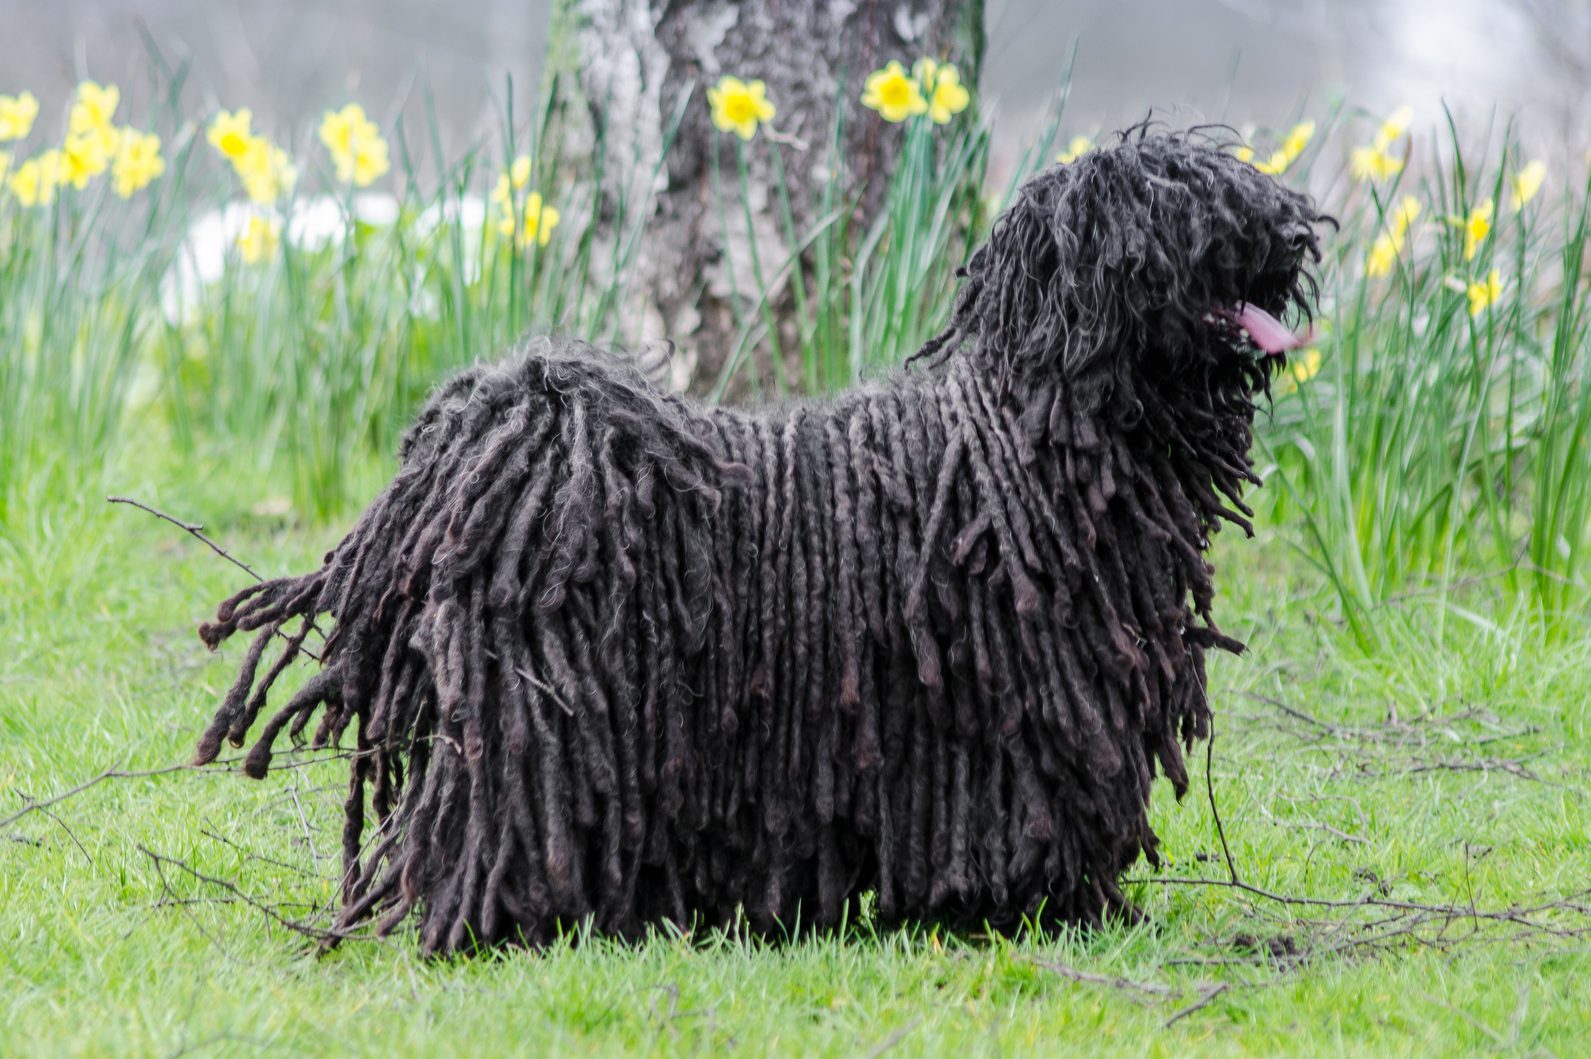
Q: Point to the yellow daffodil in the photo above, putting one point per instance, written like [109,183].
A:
[230,133]
[16,115]
[893,94]
[1393,128]
[356,146]
[1477,226]
[1384,252]
[1297,139]
[87,154]
[267,171]
[259,239]
[1376,161]
[1527,182]
[926,70]
[515,178]
[1383,255]
[540,220]
[1482,293]
[1277,161]
[341,129]
[369,162]
[1405,213]
[1079,146]
[1300,369]
[138,162]
[1373,163]
[1276,164]
[739,106]
[519,172]
[93,108]
[1306,366]
[947,96]
[35,180]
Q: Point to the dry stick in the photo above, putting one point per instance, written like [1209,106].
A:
[196,529]
[114,773]
[111,773]
[1210,993]
[69,834]
[1511,914]
[251,855]
[1209,788]
[269,911]
[895,1038]
[1125,984]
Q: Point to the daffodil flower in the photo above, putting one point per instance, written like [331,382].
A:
[947,96]
[1384,252]
[519,172]
[138,162]
[1482,293]
[1275,165]
[16,115]
[1393,128]
[1527,182]
[539,222]
[357,148]
[1306,367]
[86,155]
[1299,371]
[1383,255]
[739,106]
[1075,149]
[1277,161]
[35,180]
[259,239]
[230,133]
[267,171]
[511,180]
[1376,161]
[368,164]
[93,108]
[1477,226]
[1297,139]
[1373,163]
[893,94]
[341,129]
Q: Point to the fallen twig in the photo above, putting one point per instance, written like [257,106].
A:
[1124,984]
[196,530]
[1208,994]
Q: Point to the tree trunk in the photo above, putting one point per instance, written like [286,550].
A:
[633,61]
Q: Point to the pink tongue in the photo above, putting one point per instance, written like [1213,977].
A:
[1269,333]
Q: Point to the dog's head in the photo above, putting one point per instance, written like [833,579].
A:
[1162,262]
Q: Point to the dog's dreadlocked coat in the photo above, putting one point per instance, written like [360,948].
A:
[611,655]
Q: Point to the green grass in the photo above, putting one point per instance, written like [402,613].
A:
[99,955]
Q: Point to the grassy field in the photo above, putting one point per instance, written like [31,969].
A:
[1401,767]
[1453,773]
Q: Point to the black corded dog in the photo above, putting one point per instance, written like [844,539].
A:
[612,655]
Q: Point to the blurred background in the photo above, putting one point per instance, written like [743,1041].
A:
[1257,61]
